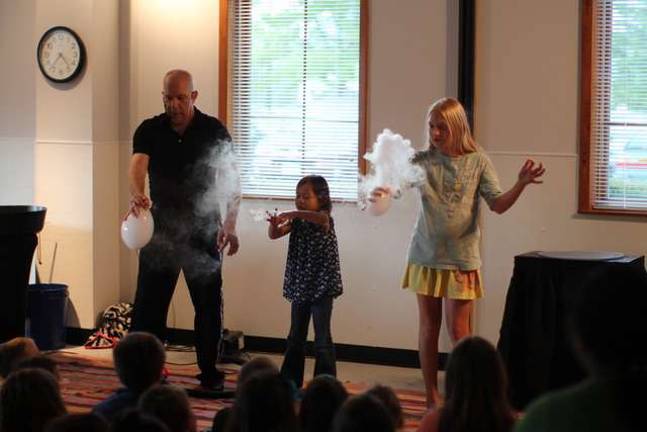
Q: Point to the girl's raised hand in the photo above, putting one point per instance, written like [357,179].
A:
[530,172]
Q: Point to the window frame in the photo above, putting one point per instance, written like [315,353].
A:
[586,170]
[223,85]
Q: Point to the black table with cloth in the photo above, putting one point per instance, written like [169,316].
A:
[534,341]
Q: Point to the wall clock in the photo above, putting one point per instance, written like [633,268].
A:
[60,54]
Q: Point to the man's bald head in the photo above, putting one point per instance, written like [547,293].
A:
[175,75]
[178,96]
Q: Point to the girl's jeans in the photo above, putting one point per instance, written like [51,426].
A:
[294,359]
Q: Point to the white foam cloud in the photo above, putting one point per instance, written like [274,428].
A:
[391,166]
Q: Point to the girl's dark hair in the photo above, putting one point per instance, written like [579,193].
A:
[254,366]
[363,413]
[475,390]
[387,396]
[321,401]
[221,420]
[320,188]
[41,362]
[139,359]
[88,422]
[264,403]
[13,352]
[171,405]
[135,420]
[30,398]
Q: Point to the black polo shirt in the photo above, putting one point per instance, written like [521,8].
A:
[180,167]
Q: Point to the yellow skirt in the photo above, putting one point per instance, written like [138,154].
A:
[453,284]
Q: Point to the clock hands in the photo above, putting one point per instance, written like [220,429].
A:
[60,56]
[63,58]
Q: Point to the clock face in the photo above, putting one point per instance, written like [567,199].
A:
[60,54]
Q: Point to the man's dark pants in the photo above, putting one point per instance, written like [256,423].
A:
[160,263]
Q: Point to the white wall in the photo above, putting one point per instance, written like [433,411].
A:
[105,163]
[527,106]
[18,104]
[76,160]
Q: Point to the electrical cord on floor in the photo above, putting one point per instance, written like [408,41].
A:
[239,358]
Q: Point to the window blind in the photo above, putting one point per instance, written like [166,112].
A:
[619,105]
[294,93]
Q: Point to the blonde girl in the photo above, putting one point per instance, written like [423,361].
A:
[443,259]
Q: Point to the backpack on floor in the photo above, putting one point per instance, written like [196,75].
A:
[114,324]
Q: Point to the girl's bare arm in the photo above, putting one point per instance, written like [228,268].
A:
[319,217]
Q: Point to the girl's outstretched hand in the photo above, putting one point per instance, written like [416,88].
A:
[530,173]
[378,193]
[278,219]
[279,225]
[273,218]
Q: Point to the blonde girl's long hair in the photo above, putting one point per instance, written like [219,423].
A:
[454,114]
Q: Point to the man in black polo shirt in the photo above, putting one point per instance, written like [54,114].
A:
[184,152]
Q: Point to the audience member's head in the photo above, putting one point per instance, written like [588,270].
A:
[78,423]
[263,403]
[29,399]
[475,389]
[133,420]
[41,362]
[321,400]
[221,420]
[139,360]
[363,413]
[387,396]
[171,405]
[13,352]
[255,365]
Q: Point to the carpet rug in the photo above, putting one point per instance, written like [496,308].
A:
[86,381]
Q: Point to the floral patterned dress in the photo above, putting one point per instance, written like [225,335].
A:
[312,269]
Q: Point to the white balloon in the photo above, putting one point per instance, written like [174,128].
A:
[381,204]
[136,232]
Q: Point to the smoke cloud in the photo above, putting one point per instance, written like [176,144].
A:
[223,182]
[391,166]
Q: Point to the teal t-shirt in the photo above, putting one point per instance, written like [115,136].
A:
[585,407]
[446,234]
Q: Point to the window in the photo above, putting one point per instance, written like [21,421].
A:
[292,90]
[613,128]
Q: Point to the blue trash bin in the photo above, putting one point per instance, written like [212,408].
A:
[46,313]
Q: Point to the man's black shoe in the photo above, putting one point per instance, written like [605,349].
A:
[214,380]
[211,386]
